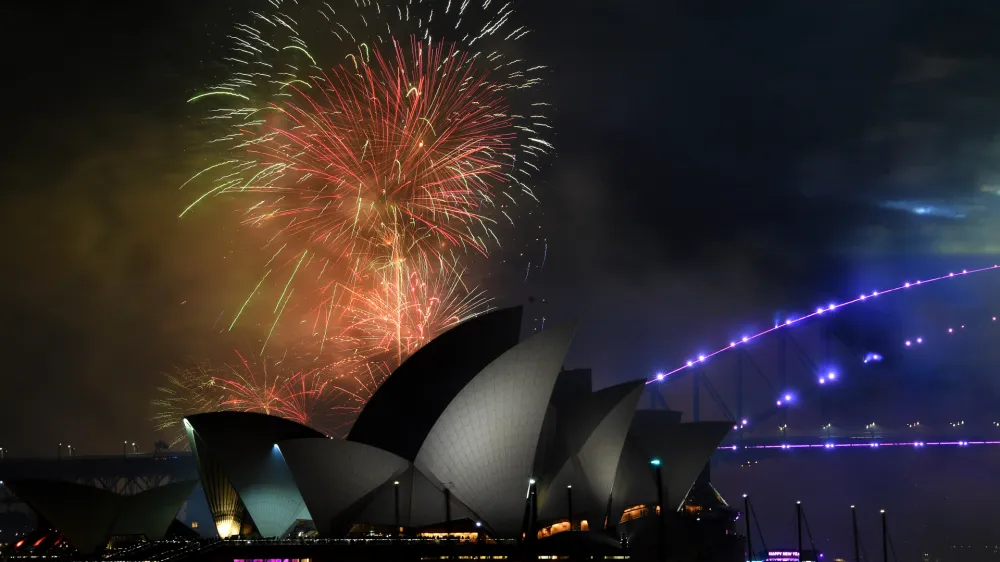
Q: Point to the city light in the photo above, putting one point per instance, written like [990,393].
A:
[831,306]
[654,462]
[920,340]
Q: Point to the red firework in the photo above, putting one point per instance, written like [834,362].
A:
[385,157]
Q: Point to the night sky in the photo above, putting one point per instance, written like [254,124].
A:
[718,163]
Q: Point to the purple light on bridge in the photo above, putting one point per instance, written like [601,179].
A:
[872,358]
[792,322]
[867,445]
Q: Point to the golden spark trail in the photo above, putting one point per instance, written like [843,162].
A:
[246,302]
[292,277]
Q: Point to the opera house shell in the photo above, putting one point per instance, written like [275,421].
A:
[477,430]
[89,516]
[475,427]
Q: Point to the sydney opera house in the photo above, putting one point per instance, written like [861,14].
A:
[479,436]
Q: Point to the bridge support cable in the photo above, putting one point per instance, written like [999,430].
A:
[759,371]
[718,399]
[805,521]
[756,522]
[657,400]
[696,395]
[864,551]
[783,373]
[801,353]
[739,387]
[892,548]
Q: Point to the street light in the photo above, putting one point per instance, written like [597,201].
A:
[885,538]
[569,504]
[395,498]
[532,504]
[660,507]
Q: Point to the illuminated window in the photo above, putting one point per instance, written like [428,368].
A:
[561,527]
[463,537]
[194,524]
[637,511]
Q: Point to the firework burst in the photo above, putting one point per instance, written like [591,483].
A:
[406,307]
[402,146]
[375,147]
[291,388]
[187,391]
